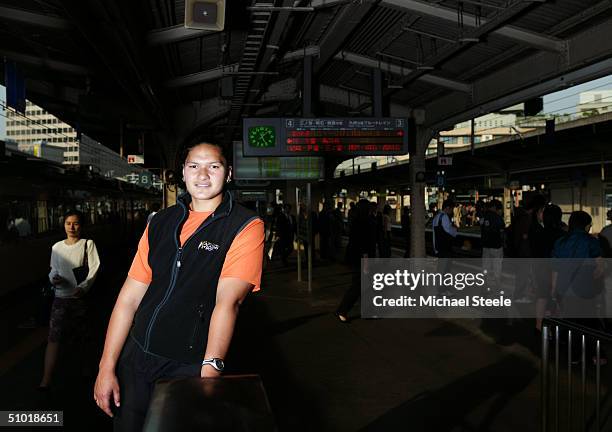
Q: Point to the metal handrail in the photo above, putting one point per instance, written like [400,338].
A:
[579,333]
[580,328]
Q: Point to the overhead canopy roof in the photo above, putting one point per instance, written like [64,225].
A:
[99,64]
[527,158]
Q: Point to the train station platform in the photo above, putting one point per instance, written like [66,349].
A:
[319,374]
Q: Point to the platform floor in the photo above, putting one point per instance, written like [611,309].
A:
[320,374]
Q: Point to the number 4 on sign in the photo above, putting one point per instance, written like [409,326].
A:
[445,160]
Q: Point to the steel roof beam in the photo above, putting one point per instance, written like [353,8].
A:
[322,4]
[200,77]
[67,94]
[174,34]
[546,43]
[32,18]
[218,72]
[311,50]
[286,90]
[346,22]
[451,50]
[539,74]
[269,56]
[369,62]
[45,63]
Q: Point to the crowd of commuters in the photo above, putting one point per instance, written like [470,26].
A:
[573,287]
[536,230]
[327,228]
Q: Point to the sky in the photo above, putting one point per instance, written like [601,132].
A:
[565,101]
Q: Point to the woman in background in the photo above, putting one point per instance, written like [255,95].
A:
[69,309]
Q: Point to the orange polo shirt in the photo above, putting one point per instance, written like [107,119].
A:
[243,260]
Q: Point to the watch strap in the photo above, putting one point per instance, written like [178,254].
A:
[215,362]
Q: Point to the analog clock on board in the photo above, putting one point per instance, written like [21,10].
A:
[262,136]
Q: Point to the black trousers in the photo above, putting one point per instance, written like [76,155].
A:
[352,294]
[137,372]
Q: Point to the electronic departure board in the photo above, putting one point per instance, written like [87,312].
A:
[276,168]
[318,136]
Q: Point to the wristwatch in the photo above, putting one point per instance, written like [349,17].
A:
[217,363]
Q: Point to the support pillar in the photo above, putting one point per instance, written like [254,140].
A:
[507,205]
[417,194]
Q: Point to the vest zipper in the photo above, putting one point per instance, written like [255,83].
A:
[175,270]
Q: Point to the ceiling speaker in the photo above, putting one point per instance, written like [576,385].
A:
[205,14]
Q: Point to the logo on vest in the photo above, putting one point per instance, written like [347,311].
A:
[208,246]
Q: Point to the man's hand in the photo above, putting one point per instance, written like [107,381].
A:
[106,391]
[57,279]
[208,371]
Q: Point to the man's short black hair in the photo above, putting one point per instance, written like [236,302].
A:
[448,203]
[579,220]
[495,204]
[536,202]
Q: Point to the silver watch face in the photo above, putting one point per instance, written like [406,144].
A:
[219,364]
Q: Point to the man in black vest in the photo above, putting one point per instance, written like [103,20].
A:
[444,231]
[176,312]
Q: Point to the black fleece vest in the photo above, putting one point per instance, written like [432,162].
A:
[174,315]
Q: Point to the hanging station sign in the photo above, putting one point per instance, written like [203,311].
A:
[318,136]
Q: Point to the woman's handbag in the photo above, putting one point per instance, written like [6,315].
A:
[81,272]
[44,303]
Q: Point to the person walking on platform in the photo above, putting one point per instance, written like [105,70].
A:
[444,231]
[362,244]
[385,250]
[542,244]
[337,230]
[406,229]
[286,229]
[325,230]
[577,280]
[176,311]
[74,267]
[521,229]
[492,240]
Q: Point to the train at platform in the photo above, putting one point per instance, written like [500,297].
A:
[36,193]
